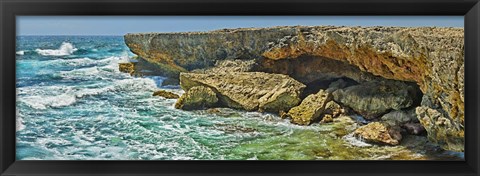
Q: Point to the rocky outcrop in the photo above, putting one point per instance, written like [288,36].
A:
[198,97]
[165,94]
[373,99]
[310,109]
[431,57]
[377,132]
[441,129]
[249,90]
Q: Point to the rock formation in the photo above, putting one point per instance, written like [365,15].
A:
[431,57]
[198,97]
[373,99]
[310,109]
[249,90]
[377,132]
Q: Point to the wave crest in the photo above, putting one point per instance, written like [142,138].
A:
[64,50]
[21,53]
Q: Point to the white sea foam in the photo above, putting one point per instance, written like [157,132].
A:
[65,49]
[351,139]
[19,122]
[20,53]
[56,96]
[42,102]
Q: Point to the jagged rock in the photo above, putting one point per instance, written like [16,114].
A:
[334,109]
[377,132]
[249,90]
[310,109]
[432,57]
[373,99]
[441,129]
[165,94]
[198,97]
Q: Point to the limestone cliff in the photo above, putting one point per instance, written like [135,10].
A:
[431,57]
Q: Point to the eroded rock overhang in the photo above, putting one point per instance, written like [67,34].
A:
[429,56]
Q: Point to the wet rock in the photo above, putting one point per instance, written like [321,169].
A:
[441,129]
[377,132]
[224,112]
[198,97]
[373,99]
[166,94]
[249,90]
[310,109]
[127,67]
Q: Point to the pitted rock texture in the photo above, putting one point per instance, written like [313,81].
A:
[310,109]
[198,97]
[249,90]
[432,57]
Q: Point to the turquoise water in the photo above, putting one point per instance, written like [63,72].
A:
[74,104]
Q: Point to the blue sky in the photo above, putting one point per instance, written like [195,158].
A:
[120,25]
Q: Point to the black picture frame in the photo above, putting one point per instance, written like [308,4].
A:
[470,9]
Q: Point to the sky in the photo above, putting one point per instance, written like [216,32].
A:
[120,25]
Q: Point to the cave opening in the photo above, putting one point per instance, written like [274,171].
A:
[319,72]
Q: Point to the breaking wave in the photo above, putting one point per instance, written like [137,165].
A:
[64,50]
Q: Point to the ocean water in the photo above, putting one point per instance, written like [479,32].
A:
[74,104]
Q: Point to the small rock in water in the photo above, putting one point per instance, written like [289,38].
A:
[127,67]
[166,94]
[377,132]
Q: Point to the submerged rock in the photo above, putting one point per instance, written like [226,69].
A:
[198,97]
[166,94]
[310,109]
[377,132]
[372,99]
[248,90]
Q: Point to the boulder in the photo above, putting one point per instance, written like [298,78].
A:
[248,90]
[310,109]
[165,94]
[377,132]
[373,99]
[198,97]
[399,117]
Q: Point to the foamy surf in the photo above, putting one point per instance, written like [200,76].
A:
[20,53]
[64,50]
